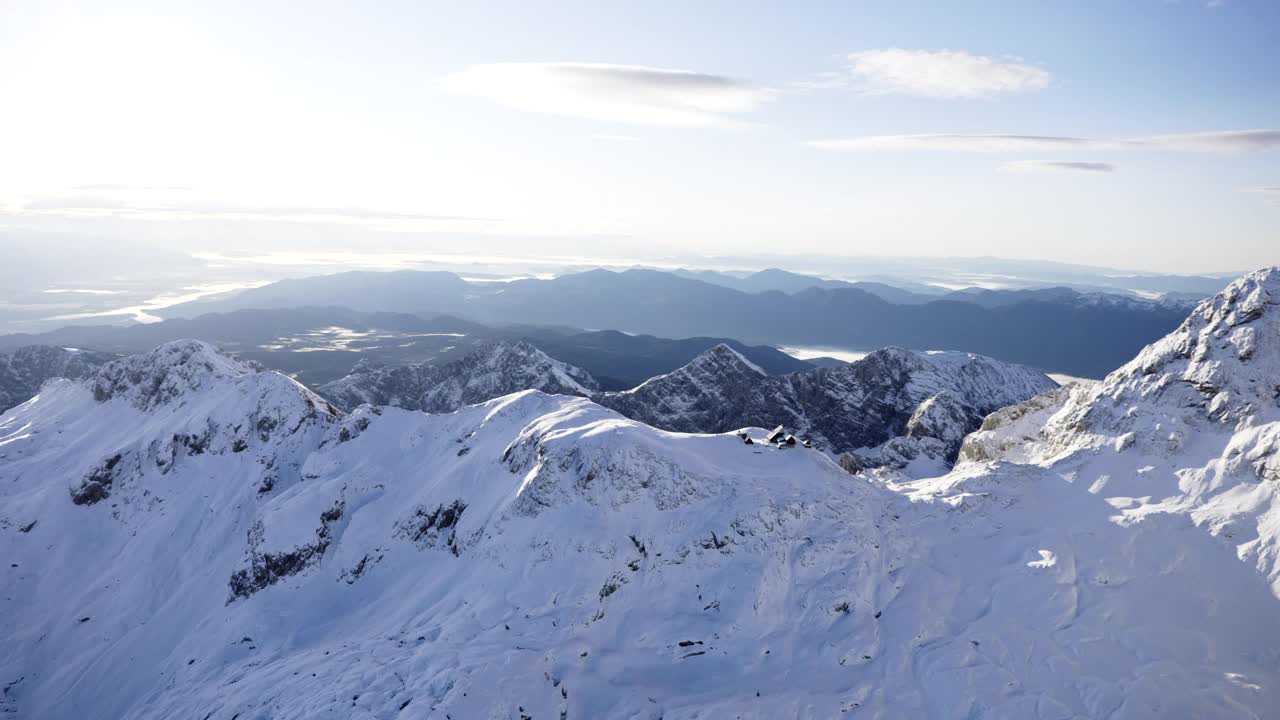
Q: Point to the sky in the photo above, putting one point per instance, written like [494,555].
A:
[1142,134]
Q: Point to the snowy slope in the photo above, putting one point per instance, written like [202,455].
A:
[24,370]
[488,371]
[258,556]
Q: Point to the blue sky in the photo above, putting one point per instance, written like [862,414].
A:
[636,130]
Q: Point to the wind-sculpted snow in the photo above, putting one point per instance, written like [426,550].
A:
[24,370]
[489,371]
[541,556]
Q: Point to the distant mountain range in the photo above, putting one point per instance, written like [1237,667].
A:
[1056,329]
[789,282]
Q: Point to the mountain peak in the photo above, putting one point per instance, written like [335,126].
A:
[1222,362]
[724,356]
[1250,297]
[159,376]
[1191,424]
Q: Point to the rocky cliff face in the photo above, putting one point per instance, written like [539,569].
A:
[888,394]
[24,370]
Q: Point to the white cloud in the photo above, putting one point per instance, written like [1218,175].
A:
[613,93]
[942,73]
[1057,166]
[964,143]
[1221,141]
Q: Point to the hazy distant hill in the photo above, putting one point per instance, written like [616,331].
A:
[790,283]
[1058,329]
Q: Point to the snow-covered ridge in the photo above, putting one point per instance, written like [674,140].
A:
[1191,426]
[488,371]
[716,362]
[1224,360]
[541,555]
[183,399]
[860,405]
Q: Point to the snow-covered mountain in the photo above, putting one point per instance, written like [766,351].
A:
[890,394]
[24,370]
[1191,426]
[489,371]
[924,403]
[254,554]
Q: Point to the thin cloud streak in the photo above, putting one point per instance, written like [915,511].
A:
[627,94]
[1219,141]
[1057,166]
[962,143]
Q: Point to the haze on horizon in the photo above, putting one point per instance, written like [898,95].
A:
[1140,135]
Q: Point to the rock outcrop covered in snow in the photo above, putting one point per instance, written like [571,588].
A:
[24,370]
[891,393]
[488,371]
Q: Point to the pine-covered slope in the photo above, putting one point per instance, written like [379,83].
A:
[24,370]
[489,371]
